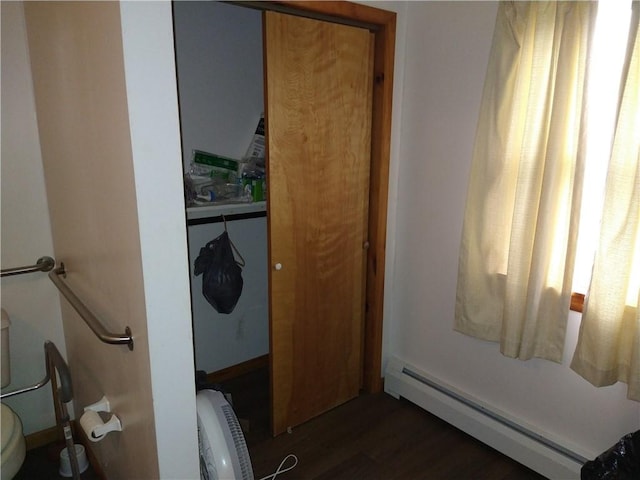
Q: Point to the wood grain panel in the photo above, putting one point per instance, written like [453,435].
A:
[319,80]
[77,61]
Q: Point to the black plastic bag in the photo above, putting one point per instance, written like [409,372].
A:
[222,279]
[620,462]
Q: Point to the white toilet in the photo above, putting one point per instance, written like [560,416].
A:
[13,448]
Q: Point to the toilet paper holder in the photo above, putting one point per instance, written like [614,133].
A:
[93,425]
[101,405]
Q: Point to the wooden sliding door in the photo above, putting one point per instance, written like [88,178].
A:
[319,83]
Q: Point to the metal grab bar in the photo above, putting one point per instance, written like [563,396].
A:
[54,360]
[90,319]
[44,264]
[35,386]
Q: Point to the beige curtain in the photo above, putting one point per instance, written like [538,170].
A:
[609,341]
[520,225]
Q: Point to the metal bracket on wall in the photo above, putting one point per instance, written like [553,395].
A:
[44,264]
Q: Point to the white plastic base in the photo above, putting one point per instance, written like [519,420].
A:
[65,461]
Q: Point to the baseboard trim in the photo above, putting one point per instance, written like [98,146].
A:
[234,371]
[43,437]
[54,434]
[507,434]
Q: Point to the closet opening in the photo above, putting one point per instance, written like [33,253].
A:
[218,49]
[221,62]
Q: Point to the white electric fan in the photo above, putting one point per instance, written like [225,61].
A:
[223,451]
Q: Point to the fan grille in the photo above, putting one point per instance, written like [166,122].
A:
[206,467]
[238,440]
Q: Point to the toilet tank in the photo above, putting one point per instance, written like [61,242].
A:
[4,350]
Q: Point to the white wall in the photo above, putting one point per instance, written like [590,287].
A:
[31,300]
[222,340]
[220,80]
[447,47]
[220,87]
[147,32]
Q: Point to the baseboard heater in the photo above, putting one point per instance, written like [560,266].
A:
[511,436]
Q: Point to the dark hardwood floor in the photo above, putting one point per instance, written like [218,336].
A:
[43,464]
[371,437]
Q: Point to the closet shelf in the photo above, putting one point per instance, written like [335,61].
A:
[194,213]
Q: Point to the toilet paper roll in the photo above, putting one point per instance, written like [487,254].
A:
[93,426]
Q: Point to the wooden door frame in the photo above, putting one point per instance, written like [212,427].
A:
[383,26]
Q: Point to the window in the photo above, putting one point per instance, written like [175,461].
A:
[553,205]
[605,70]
